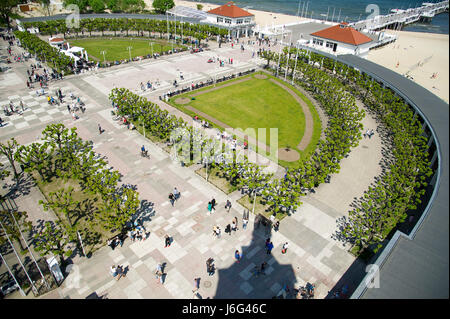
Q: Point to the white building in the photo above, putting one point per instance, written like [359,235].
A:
[341,39]
[238,21]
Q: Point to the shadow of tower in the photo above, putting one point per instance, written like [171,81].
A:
[236,281]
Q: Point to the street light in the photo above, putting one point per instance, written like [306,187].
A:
[151,44]
[129,51]
[104,59]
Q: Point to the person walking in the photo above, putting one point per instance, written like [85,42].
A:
[263,268]
[244,223]
[159,273]
[172,198]
[196,285]
[269,248]
[176,193]
[228,205]
[237,256]
[167,241]
[235,220]
[233,226]
[228,229]
[100,131]
[285,247]
[213,204]
[217,232]
[209,207]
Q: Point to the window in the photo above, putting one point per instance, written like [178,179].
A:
[330,45]
[317,41]
[247,20]
[219,19]
[239,21]
[228,21]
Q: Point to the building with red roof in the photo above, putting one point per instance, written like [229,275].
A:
[343,39]
[238,21]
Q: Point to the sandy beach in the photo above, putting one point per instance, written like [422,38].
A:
[421,55]
[262,18]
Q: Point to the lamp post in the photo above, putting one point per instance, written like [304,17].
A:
[295,66]
[104,59]
[151,45]
[129,51]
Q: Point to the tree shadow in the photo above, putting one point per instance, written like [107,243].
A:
[231,284]
[22,187]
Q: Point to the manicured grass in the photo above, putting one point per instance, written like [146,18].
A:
[117,49]
[257,104]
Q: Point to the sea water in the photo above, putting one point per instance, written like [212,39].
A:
[343,10]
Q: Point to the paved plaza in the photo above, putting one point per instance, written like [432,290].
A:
[313,256]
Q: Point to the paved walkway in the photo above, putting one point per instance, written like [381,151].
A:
[312,256]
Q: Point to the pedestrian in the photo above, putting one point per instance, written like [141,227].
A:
[237,256]
[218,232]
[196,284]
[276,227]
[213,204]
[21,105]
[263,268]
[176,193]
[210,266]
[228,229]
[228,205]
[272,217]
[209,207]
[244,223]
[172,198]
[267,242]
[235,220]
[100,131]
[167,241]
[159,273]
[371,134]
[285,247]
[233,226]
[269,248]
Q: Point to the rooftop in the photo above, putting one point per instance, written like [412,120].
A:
[230,10]
[343,33]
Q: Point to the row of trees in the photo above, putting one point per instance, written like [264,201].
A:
[90,191]
[131,6]
[45,52]
[149,26]
[386,203]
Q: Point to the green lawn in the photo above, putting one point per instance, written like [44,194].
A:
[117,49]
[256,104]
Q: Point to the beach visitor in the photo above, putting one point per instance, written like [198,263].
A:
[237,256]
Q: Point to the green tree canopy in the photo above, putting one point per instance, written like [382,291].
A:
[161,6]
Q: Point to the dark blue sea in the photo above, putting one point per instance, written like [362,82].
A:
[348,10]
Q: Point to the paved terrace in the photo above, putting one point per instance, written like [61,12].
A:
[312,257]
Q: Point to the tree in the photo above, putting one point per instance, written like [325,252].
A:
[117,209]
[97,5]
[199,6]
[161,6]
[53,239]
[37,157]
[9,150]
[6,7]
[61,200]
